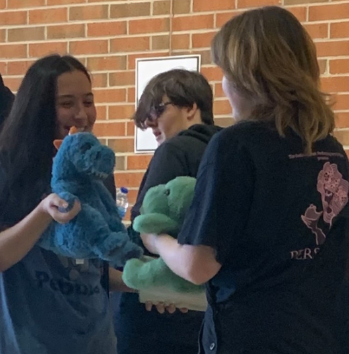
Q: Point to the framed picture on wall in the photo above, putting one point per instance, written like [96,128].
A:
[146,69]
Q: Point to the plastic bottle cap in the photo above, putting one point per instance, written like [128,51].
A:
[124,190]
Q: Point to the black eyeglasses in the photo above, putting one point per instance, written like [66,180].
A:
[157,111]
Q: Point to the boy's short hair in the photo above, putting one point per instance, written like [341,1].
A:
[183,88]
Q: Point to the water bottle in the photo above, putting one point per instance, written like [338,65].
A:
[122,201]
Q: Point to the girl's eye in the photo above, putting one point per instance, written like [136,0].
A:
[66,104]
[88,103]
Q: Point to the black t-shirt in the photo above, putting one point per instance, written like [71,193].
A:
[267,210]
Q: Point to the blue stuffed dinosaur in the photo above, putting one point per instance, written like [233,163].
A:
[79,168]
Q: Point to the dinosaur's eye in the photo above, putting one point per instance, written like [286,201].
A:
[85,147]
[167,192]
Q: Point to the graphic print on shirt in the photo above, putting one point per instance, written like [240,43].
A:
[71,284]
[334,196]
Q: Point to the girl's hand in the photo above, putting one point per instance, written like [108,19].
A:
[161,308]
[50,206]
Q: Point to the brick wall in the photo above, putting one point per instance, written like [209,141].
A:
[107,36]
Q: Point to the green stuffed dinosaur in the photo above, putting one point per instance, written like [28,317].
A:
[163,211]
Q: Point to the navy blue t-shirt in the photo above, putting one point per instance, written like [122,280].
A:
[267,210]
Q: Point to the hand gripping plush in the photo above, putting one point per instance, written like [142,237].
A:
[79,168]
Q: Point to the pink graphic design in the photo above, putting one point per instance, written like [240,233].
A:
[334,196]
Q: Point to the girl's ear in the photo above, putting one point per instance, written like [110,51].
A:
[57,143]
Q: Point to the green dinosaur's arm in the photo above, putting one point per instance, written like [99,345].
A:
[149,272]
[155,223]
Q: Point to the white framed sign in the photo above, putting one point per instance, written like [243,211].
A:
[146,69]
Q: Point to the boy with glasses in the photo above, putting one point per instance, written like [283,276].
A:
[177,106]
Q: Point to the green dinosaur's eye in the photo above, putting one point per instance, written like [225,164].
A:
[167,192]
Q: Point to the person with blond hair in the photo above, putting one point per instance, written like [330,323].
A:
[266,229]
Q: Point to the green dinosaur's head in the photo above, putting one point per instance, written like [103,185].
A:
[164,207]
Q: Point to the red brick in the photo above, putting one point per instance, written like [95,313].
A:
[129,179]
[13,51]
[215,5]
[225,121]
[2,4]
[138,162]
[180,41]
[130,10]
[109,129]
[13,83]
[25,34]
[342,136]
[161,42]
[317,30]
[149,25]
[41,49]
[3,67]
[64,2]
[299,11]
[48,15]
[193,22]
[202,40]
[297,2]
[121,111]
[181,7]
[17,4]
[122,78]
[131,62]
[339,29]
[101,29]
[331,49]
[121,145]
[88,47]
[110,96]
[212,73]
[66,31]
[221,107]
[130,128]
[10,18]
[94,12]
[339,66]
[18,67]
[342,120]
[131,95]
[322,66]
[222,18]
[341,102]
[116,62]
[218,90]
[257,3]
[332,11]
[335,84]
[161,7]
[130,44]
[99,80]
[101,112]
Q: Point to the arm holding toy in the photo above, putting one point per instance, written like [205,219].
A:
[116,283]
[196,264]
[18,240]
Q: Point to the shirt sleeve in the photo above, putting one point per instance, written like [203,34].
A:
[167,163]
[222,199]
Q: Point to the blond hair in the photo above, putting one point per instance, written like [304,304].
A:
[269,58]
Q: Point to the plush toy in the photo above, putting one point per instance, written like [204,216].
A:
[79,168]
[163,211]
